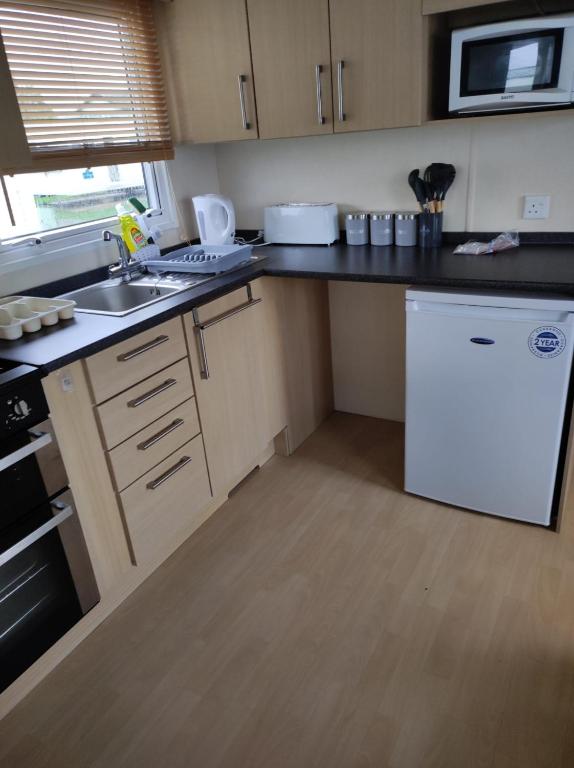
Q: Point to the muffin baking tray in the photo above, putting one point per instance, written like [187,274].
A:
[27,314]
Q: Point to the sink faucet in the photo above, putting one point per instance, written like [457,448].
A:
[126,265]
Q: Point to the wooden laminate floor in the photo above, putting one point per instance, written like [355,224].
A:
[324,619]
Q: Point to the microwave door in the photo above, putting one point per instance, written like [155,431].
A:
[510,71]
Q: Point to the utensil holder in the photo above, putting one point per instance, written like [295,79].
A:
[425,229]
[430,230]
[436,230]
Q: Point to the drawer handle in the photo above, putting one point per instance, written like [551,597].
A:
[160,435]
[152,393]
[140,350]
[169,473]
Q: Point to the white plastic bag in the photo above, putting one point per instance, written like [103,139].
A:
[501,243]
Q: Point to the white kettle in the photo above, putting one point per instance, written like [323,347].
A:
[215,219]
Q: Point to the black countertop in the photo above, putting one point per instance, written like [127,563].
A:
[539,269]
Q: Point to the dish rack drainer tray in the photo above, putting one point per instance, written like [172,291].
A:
[27,314]
[201,259]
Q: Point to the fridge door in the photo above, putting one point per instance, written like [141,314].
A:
[486,396]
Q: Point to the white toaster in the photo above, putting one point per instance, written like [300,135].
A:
[301,223]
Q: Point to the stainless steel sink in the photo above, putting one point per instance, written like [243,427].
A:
[112,297]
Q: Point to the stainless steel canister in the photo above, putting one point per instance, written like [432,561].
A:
[406,228]
[357,228]
[382,228]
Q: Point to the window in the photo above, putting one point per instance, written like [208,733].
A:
[61,214]
[88,81]
[35,203]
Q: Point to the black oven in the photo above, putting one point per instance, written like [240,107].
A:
[46,580]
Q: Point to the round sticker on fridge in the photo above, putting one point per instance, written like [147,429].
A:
[547,341]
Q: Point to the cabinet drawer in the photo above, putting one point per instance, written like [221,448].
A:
[147,448]
[133,360]
[124,415]
[166,500]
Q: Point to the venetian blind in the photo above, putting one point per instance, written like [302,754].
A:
[88,81]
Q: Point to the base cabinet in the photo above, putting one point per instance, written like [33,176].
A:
[225,342]
[144,487]
[164,502]
[297,351]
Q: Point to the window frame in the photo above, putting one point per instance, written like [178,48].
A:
[56,242]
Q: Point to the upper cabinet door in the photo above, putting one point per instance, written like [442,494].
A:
[14,150]
[207,69]
[376,50]
[291,66]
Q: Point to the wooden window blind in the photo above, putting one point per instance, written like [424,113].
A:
[88,81]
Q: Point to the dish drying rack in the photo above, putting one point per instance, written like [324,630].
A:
[27,314]
[201,259]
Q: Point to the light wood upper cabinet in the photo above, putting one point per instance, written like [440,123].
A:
[14,150]
[207,69]
[291,66]
[376,48]
[441,6]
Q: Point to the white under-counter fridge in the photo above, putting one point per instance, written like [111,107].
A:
[487,390]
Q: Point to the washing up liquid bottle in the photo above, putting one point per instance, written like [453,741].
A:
[133,237]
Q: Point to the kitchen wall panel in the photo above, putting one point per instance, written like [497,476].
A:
[498,161]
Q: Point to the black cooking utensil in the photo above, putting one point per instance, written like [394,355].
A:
[418,187]
[439,178]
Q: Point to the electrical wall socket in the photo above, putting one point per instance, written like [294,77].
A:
[536,207]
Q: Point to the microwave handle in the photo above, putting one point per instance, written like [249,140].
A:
[41,440]
[64,512]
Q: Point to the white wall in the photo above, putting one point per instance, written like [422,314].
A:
[497,162]
[193,171]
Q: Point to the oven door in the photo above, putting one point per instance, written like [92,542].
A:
[31,471]
[46,583]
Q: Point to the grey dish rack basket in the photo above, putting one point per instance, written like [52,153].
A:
[201,259]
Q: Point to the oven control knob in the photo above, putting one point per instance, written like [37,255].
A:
[21,409]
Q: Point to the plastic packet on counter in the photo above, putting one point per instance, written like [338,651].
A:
[501,243]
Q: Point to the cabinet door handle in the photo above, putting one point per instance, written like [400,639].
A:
[123,358]
[241,80]
[160,435]
[152,393]
[169,473]
[340,68]
[318,72]
[201,327]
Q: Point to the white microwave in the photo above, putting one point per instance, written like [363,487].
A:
[521,64]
